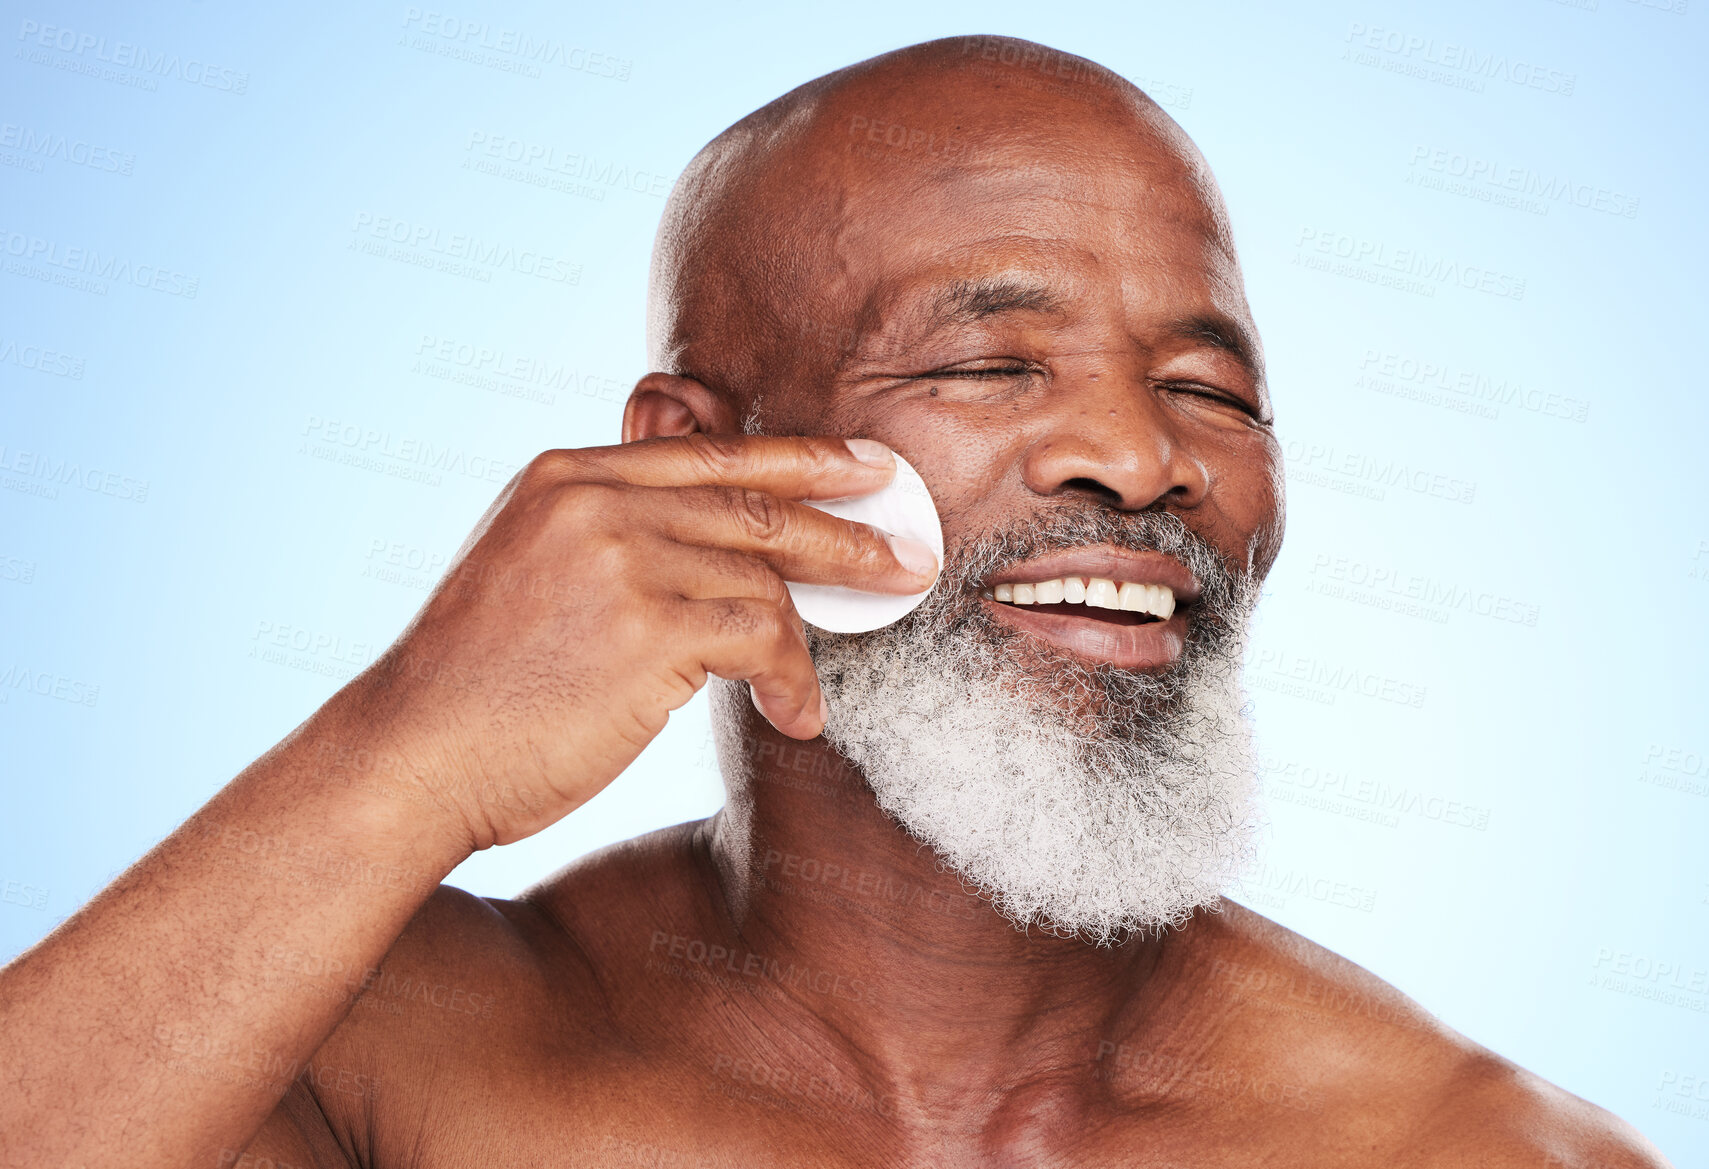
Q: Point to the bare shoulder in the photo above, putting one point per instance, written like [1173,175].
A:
[1494,1113]
[466,976]
[546,952]
[480,1001]
[616,903]
[500,961]
[1384,1072]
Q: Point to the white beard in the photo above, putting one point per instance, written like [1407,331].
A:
[1123,818]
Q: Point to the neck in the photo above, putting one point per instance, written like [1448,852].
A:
[925,984]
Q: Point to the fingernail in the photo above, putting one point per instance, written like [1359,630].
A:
[913,555]
[873,454]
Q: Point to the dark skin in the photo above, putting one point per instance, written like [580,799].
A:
[792,981]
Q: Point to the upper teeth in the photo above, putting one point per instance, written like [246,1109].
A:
[1099,592]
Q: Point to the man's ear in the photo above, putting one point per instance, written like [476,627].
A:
[666,405]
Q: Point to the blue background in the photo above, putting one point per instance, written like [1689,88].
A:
[1479,670]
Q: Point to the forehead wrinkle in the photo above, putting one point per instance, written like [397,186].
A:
[1043,286]
[894,318]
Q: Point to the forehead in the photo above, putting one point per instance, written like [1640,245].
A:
[1093,208]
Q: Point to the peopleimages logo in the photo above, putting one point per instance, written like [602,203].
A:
[1284,883]
[372,448]
[43,145]
[33,473]
[567,164]
[87,269]
[1468,384]
[1380,259]
[454,247]
[89,47]
[1522,182]
[42,360]
[1413,53]
[1332,677]
[510,374]
[1677,768]
[480,43]
[1445,596]
[48,684]
[1311,462]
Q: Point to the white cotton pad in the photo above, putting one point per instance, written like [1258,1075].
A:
[903,508]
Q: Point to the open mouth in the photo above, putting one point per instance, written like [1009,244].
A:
[1099,598]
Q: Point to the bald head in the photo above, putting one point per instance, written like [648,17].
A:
[784,241]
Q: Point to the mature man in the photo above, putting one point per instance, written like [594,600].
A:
[1008,265]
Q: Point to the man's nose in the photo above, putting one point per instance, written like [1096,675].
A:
[1114,439]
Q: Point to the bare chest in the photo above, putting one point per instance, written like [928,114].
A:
[727,1110]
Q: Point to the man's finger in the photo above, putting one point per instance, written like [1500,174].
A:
[761,643]
[787,466]
[798,542]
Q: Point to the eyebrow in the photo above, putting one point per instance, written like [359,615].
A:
[967,301]
[970,301]
[1219,332]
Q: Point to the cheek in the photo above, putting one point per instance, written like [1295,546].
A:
[1248,499]
[967,463]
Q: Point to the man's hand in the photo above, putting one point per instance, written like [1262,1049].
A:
[595,597]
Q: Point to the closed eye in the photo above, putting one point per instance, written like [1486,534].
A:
[1212,394]
[1013,369]
[986,380]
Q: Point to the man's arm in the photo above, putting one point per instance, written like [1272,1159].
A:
[155,1026]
